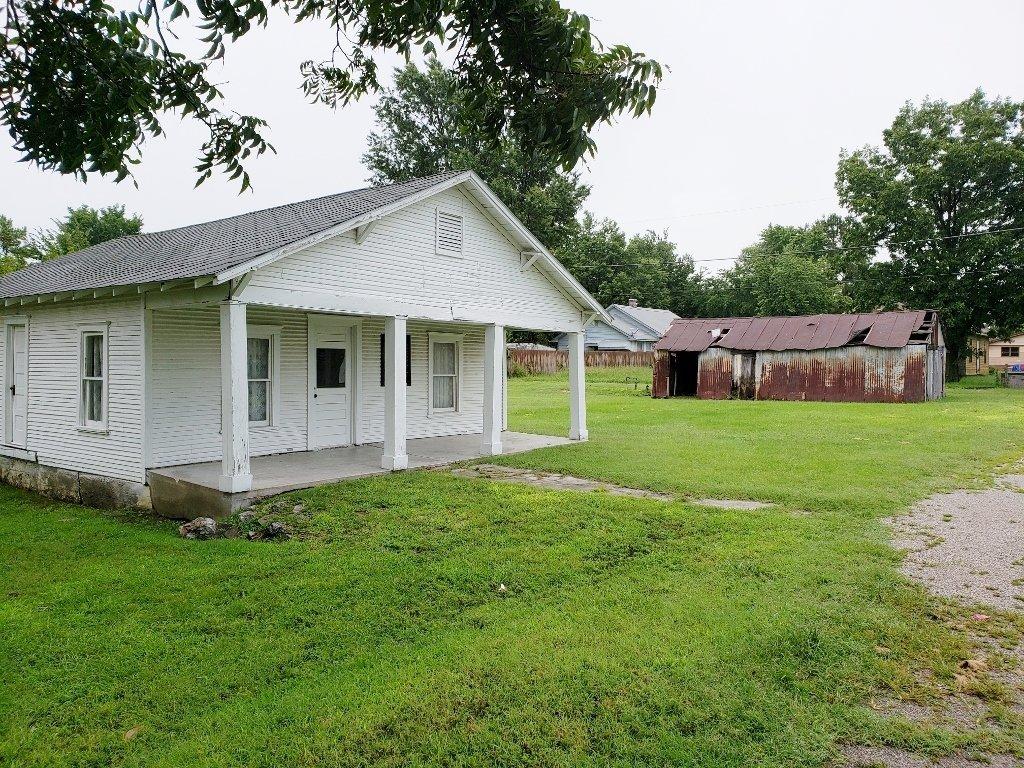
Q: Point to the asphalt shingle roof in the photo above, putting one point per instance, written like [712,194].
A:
[203,249]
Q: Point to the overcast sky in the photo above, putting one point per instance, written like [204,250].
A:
[749,123]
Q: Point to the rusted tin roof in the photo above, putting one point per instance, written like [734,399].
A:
[806,332]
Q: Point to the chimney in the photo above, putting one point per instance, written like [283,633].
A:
[632,302]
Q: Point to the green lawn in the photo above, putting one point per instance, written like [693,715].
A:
[632,632]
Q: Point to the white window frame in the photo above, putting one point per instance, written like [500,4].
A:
[444,338]
[438,213]
[273,334]
[1010,351]
[85,425]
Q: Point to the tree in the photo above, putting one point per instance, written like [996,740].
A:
[82,85]
[85,226]
[942,201]
[616,268]
[789,271]
[15,248]
[426,124]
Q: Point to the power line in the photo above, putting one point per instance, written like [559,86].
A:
[840,249]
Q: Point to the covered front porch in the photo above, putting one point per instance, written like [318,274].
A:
[191,490]
[307,397]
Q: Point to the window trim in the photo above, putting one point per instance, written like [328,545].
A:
[438,248]
[444,338]
[1009,351]
[84,425]
[273,334]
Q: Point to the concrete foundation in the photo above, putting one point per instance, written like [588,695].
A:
[74,487]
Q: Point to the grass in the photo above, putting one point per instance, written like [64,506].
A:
[631,632]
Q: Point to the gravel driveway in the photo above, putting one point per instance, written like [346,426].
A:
[968,545]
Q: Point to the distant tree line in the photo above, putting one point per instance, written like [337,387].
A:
[78,229]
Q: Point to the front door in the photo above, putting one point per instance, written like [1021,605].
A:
[17,385]
[332,394]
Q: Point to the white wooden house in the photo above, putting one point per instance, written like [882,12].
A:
[368,318]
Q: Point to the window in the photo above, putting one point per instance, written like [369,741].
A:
[263,374]
[1010,352]
[330,368]
[449,233]
[445,353]
[408,361]
[93,406]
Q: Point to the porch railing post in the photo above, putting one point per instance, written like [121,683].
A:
[577,391]
[395,456]
[235,473]
[494,363]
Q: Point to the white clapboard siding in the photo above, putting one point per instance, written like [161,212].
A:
[399,261]
[53,432]
[184,405]
[467,420]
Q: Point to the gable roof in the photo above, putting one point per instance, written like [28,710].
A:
[654,321]
[805,332]
[226,248]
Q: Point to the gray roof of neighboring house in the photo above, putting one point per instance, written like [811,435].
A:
[656,320]
[200,250]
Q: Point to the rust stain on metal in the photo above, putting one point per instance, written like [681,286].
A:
[762,334]
[714,379]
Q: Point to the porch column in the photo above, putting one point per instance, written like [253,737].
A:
[494,365]
[577,394]
[394,456]
[234,389]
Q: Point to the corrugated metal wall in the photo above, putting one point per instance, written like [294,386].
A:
[714,380]
[662,370]
[908,374]
[847,374]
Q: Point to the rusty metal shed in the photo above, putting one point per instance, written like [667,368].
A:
[874,357]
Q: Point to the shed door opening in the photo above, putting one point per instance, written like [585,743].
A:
[683,374]
[744,384]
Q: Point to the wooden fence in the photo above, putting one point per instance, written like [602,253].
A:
[550,361]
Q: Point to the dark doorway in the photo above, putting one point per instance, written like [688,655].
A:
[683,374]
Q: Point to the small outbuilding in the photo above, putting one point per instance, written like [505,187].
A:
[890,357]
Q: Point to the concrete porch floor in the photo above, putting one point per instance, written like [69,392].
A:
[190,490]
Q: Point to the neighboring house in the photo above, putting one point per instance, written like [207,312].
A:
[628,327]
[976,362]
[883,357]
[367,317]
[1003,354]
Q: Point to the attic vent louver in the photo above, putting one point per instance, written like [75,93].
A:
[449,233]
